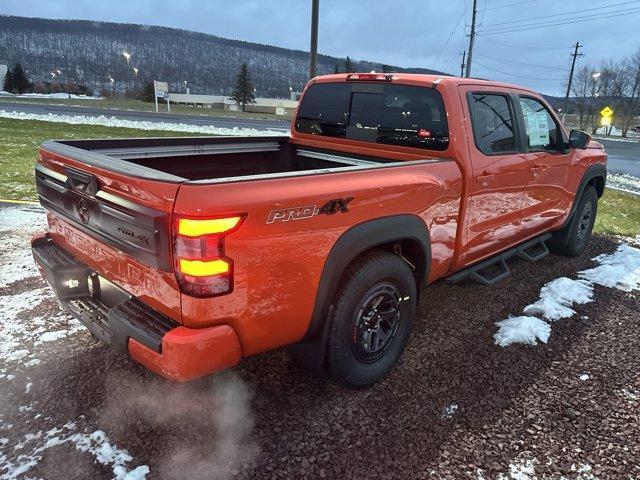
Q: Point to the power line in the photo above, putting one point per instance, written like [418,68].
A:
[512,4]
[519,76]
[528,47]
[561,20]
[522,63]
[534,27]
[452,32]
[563,14]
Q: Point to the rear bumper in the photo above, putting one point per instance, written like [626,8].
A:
[128,325]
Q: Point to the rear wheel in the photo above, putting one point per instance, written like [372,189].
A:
[373,316]
[573,239]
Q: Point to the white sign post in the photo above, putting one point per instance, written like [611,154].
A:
[161,89]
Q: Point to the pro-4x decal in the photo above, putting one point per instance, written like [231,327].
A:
[308,211]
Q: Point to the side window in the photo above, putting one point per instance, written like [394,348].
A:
[492,123]
[542,130]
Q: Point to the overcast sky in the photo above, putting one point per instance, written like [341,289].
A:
[409,33]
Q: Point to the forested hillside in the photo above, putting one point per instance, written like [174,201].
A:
[90,53]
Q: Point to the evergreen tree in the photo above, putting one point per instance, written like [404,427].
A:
[148,91]
[9,86]
[20,80]
[349,66]
[336,68]
[243,91]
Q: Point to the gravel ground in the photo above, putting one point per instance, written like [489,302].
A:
[457,406]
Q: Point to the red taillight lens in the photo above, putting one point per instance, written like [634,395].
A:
[202,268]
[379,77]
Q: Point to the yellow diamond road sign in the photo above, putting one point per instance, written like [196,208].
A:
[606,112]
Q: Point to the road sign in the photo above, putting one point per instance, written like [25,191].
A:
[160,88]
[606,112]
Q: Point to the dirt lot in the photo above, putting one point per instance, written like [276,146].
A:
[457,406]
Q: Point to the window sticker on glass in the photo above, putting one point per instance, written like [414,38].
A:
[537,126]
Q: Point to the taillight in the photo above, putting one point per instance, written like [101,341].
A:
[379,77]
[202,268]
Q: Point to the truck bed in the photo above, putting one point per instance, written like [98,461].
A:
[206,158]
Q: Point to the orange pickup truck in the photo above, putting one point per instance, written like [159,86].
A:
[191,253]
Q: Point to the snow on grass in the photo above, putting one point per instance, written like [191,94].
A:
[522,329]
[609,130]
[620,270]
[29,451]
[59,95]
[140,125]
[556,298]
[624,182]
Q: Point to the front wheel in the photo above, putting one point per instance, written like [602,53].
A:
[573,239]
[373,316]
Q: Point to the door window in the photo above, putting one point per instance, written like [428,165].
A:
[492,123]
[542,129]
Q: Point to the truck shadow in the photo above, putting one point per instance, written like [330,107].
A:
[451,376]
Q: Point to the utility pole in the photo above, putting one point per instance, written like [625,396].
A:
[462,64]
[313,60]
[472,37]
[575,55]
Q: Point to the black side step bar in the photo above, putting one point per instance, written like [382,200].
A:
[494,269]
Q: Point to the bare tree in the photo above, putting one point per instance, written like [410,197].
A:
[632,99]
[583,90]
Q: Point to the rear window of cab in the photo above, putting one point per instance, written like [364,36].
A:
[377,112]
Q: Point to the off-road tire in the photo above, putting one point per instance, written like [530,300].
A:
[573,239]
[373,272]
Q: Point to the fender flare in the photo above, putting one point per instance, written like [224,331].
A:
[594,171]
[354,242]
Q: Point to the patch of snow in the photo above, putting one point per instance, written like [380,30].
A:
[59,95]
[584,377]
[557,296]
[17,354]
[52,336]
[140,125]
[624,182]
[449,411]
[96,443]
[524,469]
[606,130]
[17,226]
[523,329]
[620,270]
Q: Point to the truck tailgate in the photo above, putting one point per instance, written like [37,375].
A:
[118,224]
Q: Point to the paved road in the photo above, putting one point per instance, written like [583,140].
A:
[223,122]
[624,157]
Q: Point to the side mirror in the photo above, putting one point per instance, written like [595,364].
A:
[579,139]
